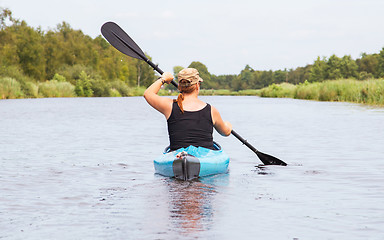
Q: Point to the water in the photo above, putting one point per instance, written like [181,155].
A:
[82,168]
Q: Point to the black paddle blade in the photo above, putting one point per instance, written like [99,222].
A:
[270,160]
[121,41]
[265,158]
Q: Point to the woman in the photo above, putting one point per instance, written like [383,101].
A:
[190,120]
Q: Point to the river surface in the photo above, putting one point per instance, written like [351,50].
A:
[82,168]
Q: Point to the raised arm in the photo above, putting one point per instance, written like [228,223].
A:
[161,104]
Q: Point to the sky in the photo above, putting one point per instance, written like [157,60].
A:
[224,35]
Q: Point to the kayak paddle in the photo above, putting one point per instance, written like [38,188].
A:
[118,38]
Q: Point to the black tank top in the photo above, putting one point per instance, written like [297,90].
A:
[190,128]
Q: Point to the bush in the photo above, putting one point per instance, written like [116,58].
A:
[83,86]
[139,91]
[10,88]
[54,88]
[121,87]
[114,93]
[59,78]
[278,90]
[73,72]
[100,88]
[31,90]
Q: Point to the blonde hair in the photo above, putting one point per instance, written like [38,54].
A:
[184,87]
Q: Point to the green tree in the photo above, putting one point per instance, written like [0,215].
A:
[280,76]
[368,63]
[6,16]
[204,74]
[145,73]
[334,68]
[299,75]
[348,67]
[380,71]
[31,52]
[319,70]
[176,70]
[246,78]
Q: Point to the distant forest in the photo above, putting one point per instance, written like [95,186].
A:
[32,56]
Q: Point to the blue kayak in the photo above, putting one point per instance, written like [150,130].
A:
[192,162]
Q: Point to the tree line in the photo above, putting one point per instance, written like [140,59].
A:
[368,66]
[30,54]
[95,68]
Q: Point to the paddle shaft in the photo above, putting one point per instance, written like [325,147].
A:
[154,66]
[243,141]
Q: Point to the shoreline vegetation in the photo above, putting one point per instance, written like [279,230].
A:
[63,62]
[369,92]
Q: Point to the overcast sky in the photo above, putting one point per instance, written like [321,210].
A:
[224,35]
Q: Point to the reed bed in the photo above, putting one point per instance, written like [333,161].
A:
[10,88]
[55,88]
[343,90]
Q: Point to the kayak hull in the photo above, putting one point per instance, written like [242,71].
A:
[192,162]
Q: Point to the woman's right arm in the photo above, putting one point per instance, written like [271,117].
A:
[161,104]
[222,127]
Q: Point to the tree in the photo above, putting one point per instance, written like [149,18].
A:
[319,70]
[6,15]
[145,73]
[176,70]
[204,74]
[334,68]
[246,78]
[280,76]
[380,72]
[348,67]
[299,75]
[31,51]
[368,63]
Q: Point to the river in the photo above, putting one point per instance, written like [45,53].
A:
[82,168]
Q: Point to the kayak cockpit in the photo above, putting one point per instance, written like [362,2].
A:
[192,162]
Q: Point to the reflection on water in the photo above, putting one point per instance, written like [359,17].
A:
[191,202]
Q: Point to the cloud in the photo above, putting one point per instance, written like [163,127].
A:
[167,14]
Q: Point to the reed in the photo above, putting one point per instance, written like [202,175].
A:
[277,90]
[54,88]
[10,88]
[344,90]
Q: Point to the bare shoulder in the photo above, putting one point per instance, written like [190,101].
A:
[161,104]
[215,114]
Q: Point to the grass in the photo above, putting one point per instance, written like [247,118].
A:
[10,88]
[343,90]
[346,90]
[55,88]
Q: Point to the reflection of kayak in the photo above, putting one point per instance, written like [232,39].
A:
[192,162]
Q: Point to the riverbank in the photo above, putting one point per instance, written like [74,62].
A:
[344,90]
[10,88]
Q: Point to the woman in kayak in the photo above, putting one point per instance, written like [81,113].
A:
[190,120]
